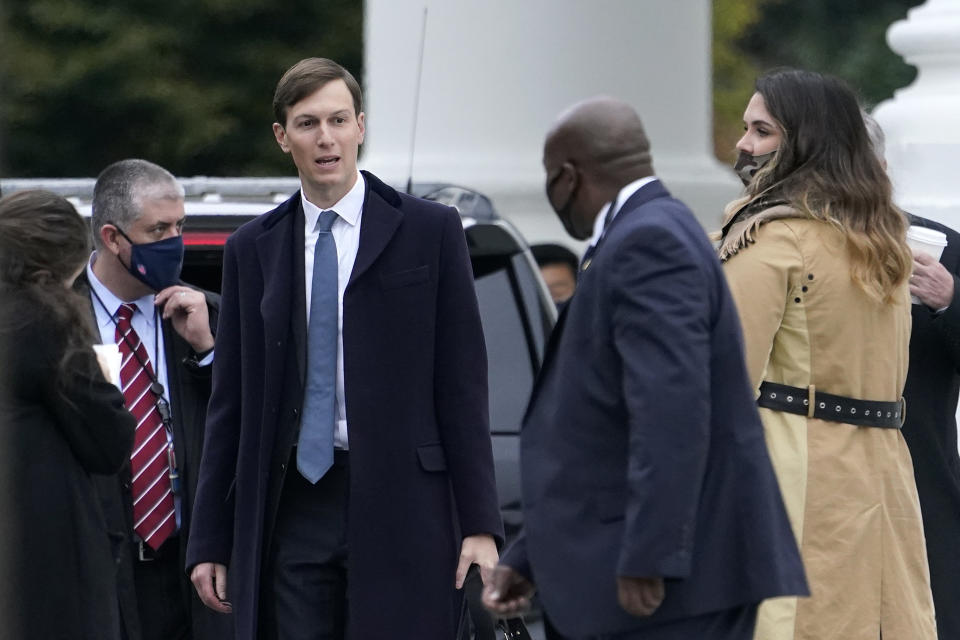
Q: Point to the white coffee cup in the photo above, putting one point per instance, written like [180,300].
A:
[928,241]
[109,356]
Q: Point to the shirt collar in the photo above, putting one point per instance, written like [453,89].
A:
[348,207]
[112,303]
[622,196]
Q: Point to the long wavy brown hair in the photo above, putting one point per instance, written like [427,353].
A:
[43,242]
[826,169]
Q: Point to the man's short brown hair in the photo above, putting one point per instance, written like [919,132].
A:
[305,77]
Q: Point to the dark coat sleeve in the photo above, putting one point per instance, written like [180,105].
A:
[661,332]
[947,325]
[211,528]
[190,385]
[88,410]
[460,379]
[95,423]
[516,557]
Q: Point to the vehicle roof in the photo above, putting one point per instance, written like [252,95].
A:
[217,206]
[249,196]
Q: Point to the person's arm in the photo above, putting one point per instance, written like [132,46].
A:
[939,290]
[660,314]
[947,324]
[90,413]
[211,530]
[460,383]
[199,364]
[760,281]
[186,308]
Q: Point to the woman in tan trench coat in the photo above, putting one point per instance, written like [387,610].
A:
[816,257]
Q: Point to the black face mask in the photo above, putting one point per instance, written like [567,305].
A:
[748,165]
[566,211]
[156,264]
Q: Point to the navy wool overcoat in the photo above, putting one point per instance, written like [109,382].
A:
[421,467]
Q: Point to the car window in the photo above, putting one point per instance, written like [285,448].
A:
[511,370]
[540,322]
[203,267]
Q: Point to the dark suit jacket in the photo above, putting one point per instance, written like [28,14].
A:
[421,467]
[642,452]
[56,433]
[930,430]
[189,392]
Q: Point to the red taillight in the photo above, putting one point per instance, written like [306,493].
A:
[205,238]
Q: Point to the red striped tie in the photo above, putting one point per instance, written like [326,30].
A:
[153,507]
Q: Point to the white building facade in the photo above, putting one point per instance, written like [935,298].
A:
[497,73]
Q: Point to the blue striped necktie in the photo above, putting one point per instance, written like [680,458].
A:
[315,446]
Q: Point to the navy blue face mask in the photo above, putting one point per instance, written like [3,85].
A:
[156,264]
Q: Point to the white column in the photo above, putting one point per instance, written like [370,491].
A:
[496,73]
[922,121]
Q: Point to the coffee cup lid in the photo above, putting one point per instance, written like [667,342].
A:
[928,236]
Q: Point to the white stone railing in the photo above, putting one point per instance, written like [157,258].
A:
[922,121]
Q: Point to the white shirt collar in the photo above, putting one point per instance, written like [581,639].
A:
[622,196]
[348,207]
[112,303]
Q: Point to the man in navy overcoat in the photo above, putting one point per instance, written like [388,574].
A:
[374,548]
[651,509]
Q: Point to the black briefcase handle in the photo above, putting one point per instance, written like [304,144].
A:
[476,623]
[513,629]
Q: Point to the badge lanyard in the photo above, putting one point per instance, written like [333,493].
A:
[163,407]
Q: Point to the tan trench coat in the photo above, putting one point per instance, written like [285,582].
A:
[849,490]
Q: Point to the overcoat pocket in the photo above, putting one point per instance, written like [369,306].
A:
[405,278]
[611,505]
[432,457]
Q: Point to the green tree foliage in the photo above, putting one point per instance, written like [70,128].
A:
[185,83]
[733,71]
[845,38]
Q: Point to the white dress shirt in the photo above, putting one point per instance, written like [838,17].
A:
[145,322]
[346,235]
[600,224]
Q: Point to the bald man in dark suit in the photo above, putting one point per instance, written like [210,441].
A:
[651,510]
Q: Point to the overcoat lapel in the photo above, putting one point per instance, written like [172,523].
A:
[277,266]
[380,220]
[283,304]
[298,315]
